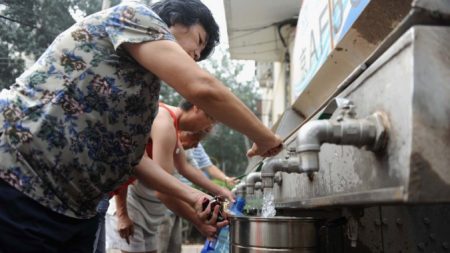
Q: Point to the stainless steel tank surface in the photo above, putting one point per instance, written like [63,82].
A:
[276,234]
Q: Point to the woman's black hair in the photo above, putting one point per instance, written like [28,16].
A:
[188,13]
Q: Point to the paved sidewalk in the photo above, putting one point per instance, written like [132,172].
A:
[186,248]
[191,248]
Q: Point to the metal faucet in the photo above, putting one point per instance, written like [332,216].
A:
[370,132]
[239,189]
[250,182]
[258,186]
[287,164]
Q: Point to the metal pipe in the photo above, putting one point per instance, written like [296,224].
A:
[239,189]
[277,179]
[369,132]
[309,139]
[289,164]
[258,186]
[250,181]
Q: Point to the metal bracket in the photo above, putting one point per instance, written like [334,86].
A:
[333,105]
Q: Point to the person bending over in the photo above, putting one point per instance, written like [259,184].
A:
[140,212]
[75,124]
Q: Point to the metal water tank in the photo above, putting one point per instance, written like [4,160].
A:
[277,234]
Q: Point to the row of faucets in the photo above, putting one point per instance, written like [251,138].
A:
[345,129]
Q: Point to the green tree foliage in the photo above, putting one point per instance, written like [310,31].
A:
[10,66]
[168,95]
[28,27]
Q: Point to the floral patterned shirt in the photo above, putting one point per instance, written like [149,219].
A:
[76,123]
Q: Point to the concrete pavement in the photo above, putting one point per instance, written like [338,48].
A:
[186,248]
[192,248]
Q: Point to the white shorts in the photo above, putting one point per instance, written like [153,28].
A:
[170,234]
[146,216]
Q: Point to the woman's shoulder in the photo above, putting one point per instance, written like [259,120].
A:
[135,11]
[136,8]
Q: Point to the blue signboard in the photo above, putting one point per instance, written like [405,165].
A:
[321,25]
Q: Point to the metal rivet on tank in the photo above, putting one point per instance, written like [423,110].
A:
[384,221]
[377,222]
[435,14]
[433,236]
[421,245]
[426,221]
[398,221]
[445,245]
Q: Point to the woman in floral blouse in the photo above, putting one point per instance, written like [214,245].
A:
[74,126]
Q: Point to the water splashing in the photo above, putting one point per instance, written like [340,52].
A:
[268,208]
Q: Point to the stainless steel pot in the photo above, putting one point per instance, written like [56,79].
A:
[277,234]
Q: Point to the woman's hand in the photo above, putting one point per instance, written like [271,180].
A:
[267,148]
[208,227]
[125,227]
[208,231]
[227,194]
[231,181]
[205,217]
